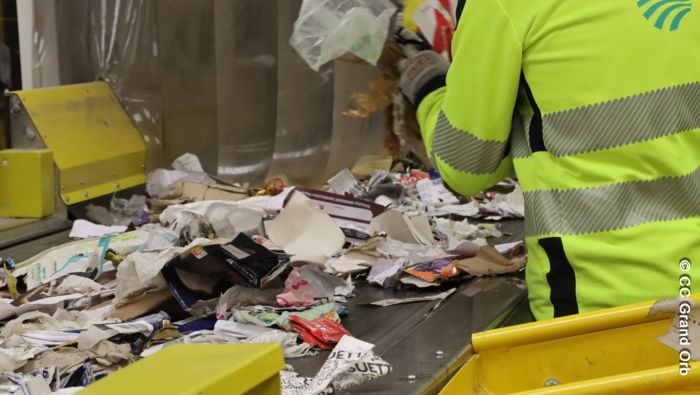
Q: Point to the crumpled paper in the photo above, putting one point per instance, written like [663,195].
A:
[385,272]
[489,261]
[351,362]
[413,229]
[413,253]
[268,318]
[345,265]
[78,284]
[287,340]
[232,333]
[238,296]
[14,358]
[306,285]
[227,218]
[459,231]
[187,167]
[105,353]
[511,205]
[140,271]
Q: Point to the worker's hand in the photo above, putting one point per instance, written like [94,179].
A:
[420,70]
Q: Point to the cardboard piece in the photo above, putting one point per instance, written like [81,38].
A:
[305,231]
[146,304]
[489,261]
[197,192]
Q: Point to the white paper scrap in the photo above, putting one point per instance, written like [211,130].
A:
[83,229]
[351,362]
[49,304]
[306,231]
[342,182]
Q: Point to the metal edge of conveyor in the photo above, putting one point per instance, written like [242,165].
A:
[31,231]
[427,357]
[512,310]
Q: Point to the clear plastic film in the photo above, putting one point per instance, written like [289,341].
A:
[214,78]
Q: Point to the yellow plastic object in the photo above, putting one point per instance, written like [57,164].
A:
[96,147]
[26,183]
[410,7]
[199,369]
[612,351]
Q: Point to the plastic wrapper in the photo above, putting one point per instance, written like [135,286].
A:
[306,285]
[320,332]
[327,29]
[437,21]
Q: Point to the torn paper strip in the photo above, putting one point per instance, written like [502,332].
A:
[50,304]
[395,301]
[83,229]
[684,333]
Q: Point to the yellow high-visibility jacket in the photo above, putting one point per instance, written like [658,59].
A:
[596,104]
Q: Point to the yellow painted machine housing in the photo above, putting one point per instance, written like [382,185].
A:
[199,369]
[26,183]
[96,148]
[612,351]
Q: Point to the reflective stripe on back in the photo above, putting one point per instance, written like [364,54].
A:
[612,207]
[623,121]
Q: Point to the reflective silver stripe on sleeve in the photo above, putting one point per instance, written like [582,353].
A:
[612,207]
[518,139]
[629,120]
[465,152]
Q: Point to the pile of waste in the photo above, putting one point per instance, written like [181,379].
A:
[201,261]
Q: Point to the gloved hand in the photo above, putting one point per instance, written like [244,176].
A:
[424,72]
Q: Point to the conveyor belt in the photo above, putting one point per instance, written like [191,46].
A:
[425,343]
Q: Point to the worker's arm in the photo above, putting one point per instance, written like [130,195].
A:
[466,124]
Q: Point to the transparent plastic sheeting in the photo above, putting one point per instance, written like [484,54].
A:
[327,29]
[216,78]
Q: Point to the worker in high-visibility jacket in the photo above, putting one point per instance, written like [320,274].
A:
[596,104]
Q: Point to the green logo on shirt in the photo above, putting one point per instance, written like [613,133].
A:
[666,14]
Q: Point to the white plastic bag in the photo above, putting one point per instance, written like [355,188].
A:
[327,29]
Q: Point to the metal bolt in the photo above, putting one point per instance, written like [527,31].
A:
[29,133]
[411,377]
[16,107]
[439,352]
[85,193]
[551,382]
[5,162]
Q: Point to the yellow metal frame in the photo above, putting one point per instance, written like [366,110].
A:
[26,183]
[96,147]
[603,352]
[199,369]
